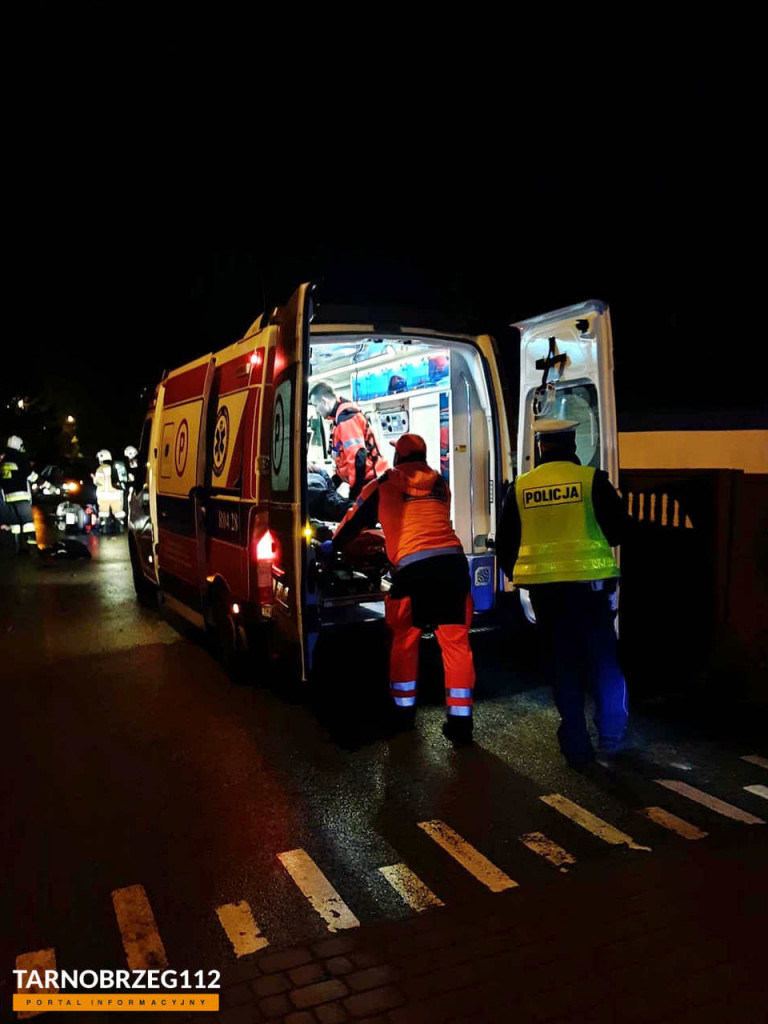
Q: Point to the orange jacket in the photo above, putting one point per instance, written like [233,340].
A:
[354,447]
[413,504]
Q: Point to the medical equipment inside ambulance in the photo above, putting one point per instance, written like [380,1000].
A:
[409,385]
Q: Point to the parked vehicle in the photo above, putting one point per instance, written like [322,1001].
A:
[67,492]
[218,517]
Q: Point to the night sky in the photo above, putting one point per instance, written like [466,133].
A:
[146,243]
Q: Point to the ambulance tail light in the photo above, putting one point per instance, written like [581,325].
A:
[265,548]
[266,554]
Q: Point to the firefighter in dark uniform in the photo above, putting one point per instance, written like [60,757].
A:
[555,534]
[430,585]
[353,446]
[15,474]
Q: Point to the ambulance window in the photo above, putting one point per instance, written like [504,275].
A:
[578,401]
[316,436]
[140,473]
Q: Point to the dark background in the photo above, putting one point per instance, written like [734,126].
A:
[147,227]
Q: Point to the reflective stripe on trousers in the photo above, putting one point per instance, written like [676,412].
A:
[404,694]
[453,639]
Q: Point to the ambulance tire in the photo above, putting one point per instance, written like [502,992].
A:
[230,637]
[146,592]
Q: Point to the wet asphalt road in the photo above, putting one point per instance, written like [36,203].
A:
[130,758]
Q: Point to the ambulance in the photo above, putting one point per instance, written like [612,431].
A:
[219,524]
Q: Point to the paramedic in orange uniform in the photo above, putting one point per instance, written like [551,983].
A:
[430,588]
[354,447]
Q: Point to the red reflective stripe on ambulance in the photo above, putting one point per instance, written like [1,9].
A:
[235,373]
[185,386]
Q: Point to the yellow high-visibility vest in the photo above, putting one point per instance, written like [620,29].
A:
[561,541]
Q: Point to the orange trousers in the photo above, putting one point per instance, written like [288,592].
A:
[458,666]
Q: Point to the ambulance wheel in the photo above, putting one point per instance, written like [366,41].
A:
[146,592]
[230,637]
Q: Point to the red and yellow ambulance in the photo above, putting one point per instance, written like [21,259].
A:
[218,518]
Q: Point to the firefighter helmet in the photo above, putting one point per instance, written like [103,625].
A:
[131,452]
[15,443]
[104,455]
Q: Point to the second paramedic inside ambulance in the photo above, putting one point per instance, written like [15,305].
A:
[356,455]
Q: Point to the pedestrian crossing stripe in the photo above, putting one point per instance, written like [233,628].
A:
[671,821]
[758,791]
[241,929]
[712,802]
[42,960]
[761,762]
[466,855]
[548,849]
[591,822]
[141,940]
[410,887]
[318,890]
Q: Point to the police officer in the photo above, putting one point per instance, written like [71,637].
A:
[15,474]
[353,445]
[430,587]
[109,491]
[555,535]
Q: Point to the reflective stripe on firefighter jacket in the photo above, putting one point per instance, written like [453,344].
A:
[352,433]
[14,471]
[105,488]
[561,540]
[413,504]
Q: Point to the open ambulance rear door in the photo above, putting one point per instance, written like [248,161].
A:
[287,475]
[566,372]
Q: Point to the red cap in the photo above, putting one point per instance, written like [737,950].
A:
[410,444]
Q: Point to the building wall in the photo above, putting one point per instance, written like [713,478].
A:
[695,449]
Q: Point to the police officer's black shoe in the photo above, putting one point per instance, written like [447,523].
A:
[458,729]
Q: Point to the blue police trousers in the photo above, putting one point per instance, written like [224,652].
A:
[578,644]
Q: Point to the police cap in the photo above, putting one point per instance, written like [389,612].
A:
[549,427]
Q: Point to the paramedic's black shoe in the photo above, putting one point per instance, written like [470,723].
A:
[402,719]
[458,729]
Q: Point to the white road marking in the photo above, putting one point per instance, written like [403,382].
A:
[591,822]
[40,961]
[466,854]
[138,930]
[762,762]
[758,791]
[548,849]
[410,887]
[318,890]
[242,931]
[671,821]
[700,797]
